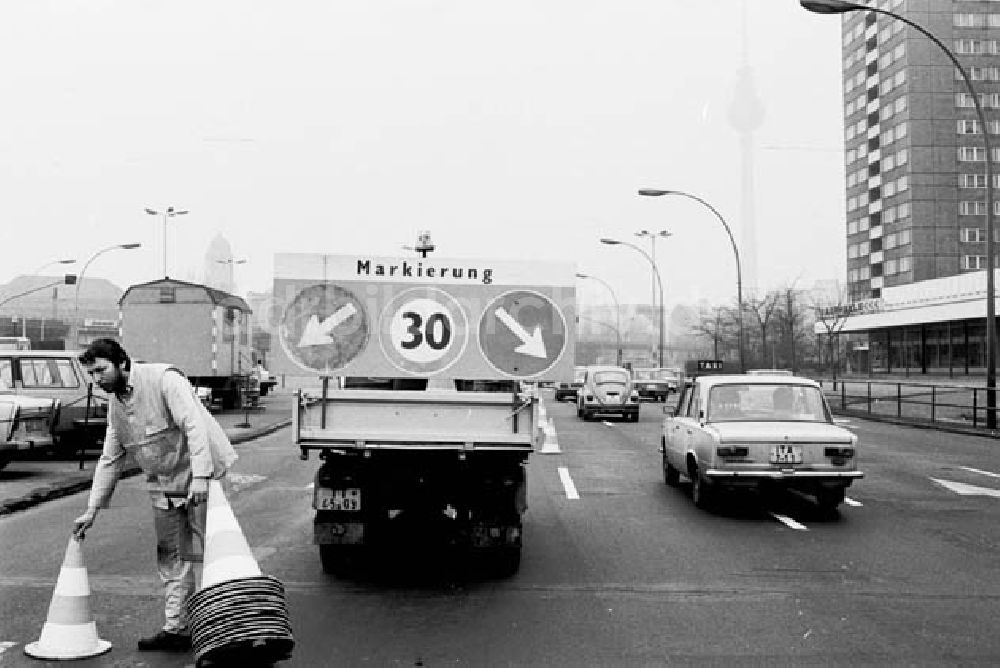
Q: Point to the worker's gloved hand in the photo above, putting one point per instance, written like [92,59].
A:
[199,491]
[82,523]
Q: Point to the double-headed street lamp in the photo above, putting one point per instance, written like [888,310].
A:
[79,280]
[232,275]
[841,7]
[618,312]
[615,242]
[169,212]
[652,236]
[653,192]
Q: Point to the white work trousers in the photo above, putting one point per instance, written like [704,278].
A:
[180,532]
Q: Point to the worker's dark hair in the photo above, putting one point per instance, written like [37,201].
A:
[109,349]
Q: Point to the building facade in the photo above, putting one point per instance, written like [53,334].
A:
[915,182]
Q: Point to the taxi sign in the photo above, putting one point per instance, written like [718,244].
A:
[354,315]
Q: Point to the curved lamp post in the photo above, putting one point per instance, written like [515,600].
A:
[841,7]
[652,236]
[79,280]
[618,333]
[615,242]
[36,272]
[653,192]
[169,212]
[618,312]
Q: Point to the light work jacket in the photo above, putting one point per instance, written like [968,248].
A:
[167,430]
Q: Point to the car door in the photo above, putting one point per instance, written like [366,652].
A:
[678,430]
[55,377]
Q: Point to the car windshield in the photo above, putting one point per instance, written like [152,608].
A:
[578,376]
[611,378]
[766,402]
[642,374]
[664,374]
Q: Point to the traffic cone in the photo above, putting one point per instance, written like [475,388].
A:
[227,553]
[238,615]
[69,631]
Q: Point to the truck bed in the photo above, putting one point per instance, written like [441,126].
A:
[427,420]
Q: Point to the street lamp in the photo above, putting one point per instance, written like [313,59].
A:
[617,332]
[79,281]
[38,271]
[618,311]
[232,277]
[841,7]
[652,251]
[653,192]
[615,242]
[170,212]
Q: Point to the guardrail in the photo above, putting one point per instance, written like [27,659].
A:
[956,406]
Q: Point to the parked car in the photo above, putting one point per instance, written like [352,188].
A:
[58,374]
[607,390]
[567,390]
[26,424]
[652,383]
[757,431]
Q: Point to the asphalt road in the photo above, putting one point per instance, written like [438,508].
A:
[618,569]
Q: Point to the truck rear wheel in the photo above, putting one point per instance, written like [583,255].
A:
[505,561]
[340,560]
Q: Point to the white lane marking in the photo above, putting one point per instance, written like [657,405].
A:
[980,472]
[842,420]
[310,485]
[967,490]
[607,424]
[789,522]
[567,482]
[852,502]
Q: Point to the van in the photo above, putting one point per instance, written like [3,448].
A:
[58,374]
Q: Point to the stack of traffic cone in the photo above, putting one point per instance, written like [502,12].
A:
[238,615]
[69,631]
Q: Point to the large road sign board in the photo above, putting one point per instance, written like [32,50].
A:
[354,315]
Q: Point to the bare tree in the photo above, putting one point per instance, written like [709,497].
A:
[717,325]
[763,310]
[831,312]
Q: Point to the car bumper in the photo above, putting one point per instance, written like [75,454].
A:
[783,474]
[625,409]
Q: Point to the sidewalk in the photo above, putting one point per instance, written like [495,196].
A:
[24,484]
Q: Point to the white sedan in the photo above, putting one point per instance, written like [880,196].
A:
[751,431]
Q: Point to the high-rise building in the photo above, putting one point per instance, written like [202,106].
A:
[915,183]
[914,150]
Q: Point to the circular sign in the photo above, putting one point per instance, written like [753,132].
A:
[522,333]
[324,328]
[423,331]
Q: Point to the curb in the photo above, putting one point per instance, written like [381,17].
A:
[79,482]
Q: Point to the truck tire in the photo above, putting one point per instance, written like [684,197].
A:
[503,562]
[339,560]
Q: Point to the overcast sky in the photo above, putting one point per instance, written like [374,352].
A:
[516,130]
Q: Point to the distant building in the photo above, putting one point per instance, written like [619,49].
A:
[51,310]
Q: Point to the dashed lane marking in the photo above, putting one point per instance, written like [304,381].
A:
[607,424]
[6,645]
[967,490]
[567,482]
[980,471]
[852,502]
[789,522]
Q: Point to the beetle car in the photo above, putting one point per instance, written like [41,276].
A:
[607,390]
[735,432]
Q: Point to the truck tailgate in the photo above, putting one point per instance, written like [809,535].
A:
[430,419]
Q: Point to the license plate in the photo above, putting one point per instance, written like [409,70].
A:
[338,499]
[786,454]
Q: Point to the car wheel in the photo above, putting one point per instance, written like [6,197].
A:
[701,491]
[829,499]
[585,414]
[671,476]
[4,461]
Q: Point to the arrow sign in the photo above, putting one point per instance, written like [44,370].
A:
[966,489]
[531,344]
[317,333]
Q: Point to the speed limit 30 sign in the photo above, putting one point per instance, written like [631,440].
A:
[423,331]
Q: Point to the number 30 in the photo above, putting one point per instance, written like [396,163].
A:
[437,337]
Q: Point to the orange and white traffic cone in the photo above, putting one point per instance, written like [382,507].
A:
[69,631]
[238,615]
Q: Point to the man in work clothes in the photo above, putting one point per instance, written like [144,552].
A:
[154,415]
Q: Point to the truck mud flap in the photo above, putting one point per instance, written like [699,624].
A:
[339,533]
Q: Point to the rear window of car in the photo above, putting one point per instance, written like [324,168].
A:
[607,377]
[6,374]
[766,402]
